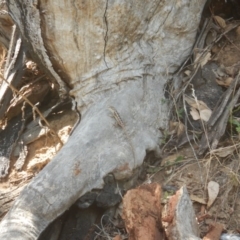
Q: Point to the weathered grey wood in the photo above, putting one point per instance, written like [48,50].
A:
[7,197]
[112,53]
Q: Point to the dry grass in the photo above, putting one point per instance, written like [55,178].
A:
[3,54]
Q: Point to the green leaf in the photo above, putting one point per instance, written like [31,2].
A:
[153,169]
[238,129]
[180,112]
[179,159]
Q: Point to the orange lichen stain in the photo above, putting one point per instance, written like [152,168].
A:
[76,169]
[122,167]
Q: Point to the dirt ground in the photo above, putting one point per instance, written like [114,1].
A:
[196,174]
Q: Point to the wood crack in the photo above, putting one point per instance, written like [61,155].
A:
[106,34]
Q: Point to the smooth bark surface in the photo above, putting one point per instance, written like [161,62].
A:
[110,53]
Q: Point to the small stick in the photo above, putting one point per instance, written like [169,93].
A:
[11,46]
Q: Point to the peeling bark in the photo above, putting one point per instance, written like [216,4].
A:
[110,53]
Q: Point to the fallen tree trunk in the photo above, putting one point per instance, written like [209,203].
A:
[109,54]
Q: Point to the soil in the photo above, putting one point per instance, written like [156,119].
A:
[196,174]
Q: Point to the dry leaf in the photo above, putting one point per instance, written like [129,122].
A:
[198,199]
[205,114]
[224,152]
[195,114]
[176,127]
[188,72]
[224,82]
[199,110]
[200,105]
[180,129]
[172,127]
[197,57]
[221,22]
[211,36]
[202,59]
[213,190]
[232,70]
[205,59]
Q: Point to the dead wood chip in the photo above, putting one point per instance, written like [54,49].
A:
[142,212]
[215,232]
